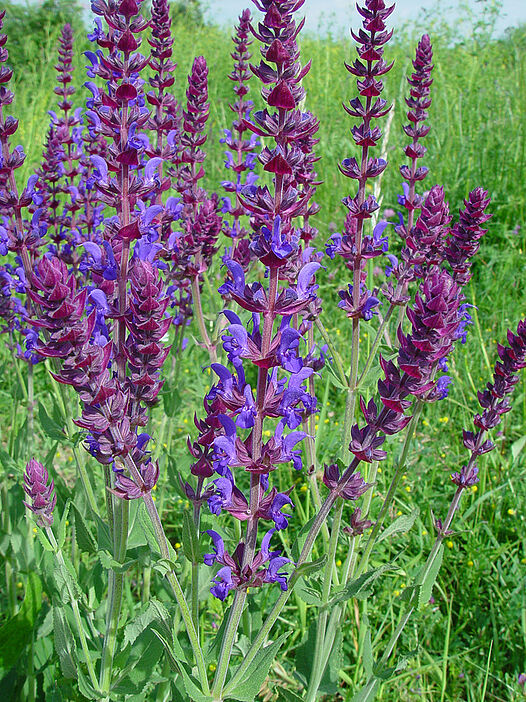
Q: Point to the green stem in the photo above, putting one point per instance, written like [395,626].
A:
[116,582]
[162,541]
[76,613]
[376,343]
[411,428]
[340,371]
[228,642]
[146,582]
[319,662]
[195,566]
[30,407]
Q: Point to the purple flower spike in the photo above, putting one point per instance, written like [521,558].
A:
[495,403]
[463,242]
[42,495]
[418,103]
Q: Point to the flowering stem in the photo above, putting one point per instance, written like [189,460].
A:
[411,428]
[419,580]
[76,612]
[162,541]
[116,582]
[376,343]
[252,522]
[318,665]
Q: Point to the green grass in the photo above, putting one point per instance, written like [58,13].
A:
[471,640]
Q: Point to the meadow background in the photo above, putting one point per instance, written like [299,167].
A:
[470,643]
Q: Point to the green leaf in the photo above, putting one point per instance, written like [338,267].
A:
[307,569]
[400,525]
[190,538]
[256,673]
[108,562]
[171,400]
[367,653]
[10,466]
[17,632]
[310,595]
[85,686]
[104,541]
[335,380]
[168,649]
[427,586]
[49,426]
[193,688]
[66,581]
[146,524]
[517,447]
[368,691]
[214,643]
[360,587]
[139,672]
[85,540]
[50,457]
[42,537]
[329,681]
[64,643]
[155,611]
[288,696]
[61,538]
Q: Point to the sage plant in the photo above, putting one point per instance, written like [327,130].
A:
[114,231]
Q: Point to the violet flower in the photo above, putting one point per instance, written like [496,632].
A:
[282,369]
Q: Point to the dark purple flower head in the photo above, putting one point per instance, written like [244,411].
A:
[354,487]
[357,525]
[463,242]
[41,494]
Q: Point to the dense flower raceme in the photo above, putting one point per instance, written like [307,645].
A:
[40,491]
[431,243]
[353,244]
[231,436]
[240,156]
[495,403]
[418,102]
